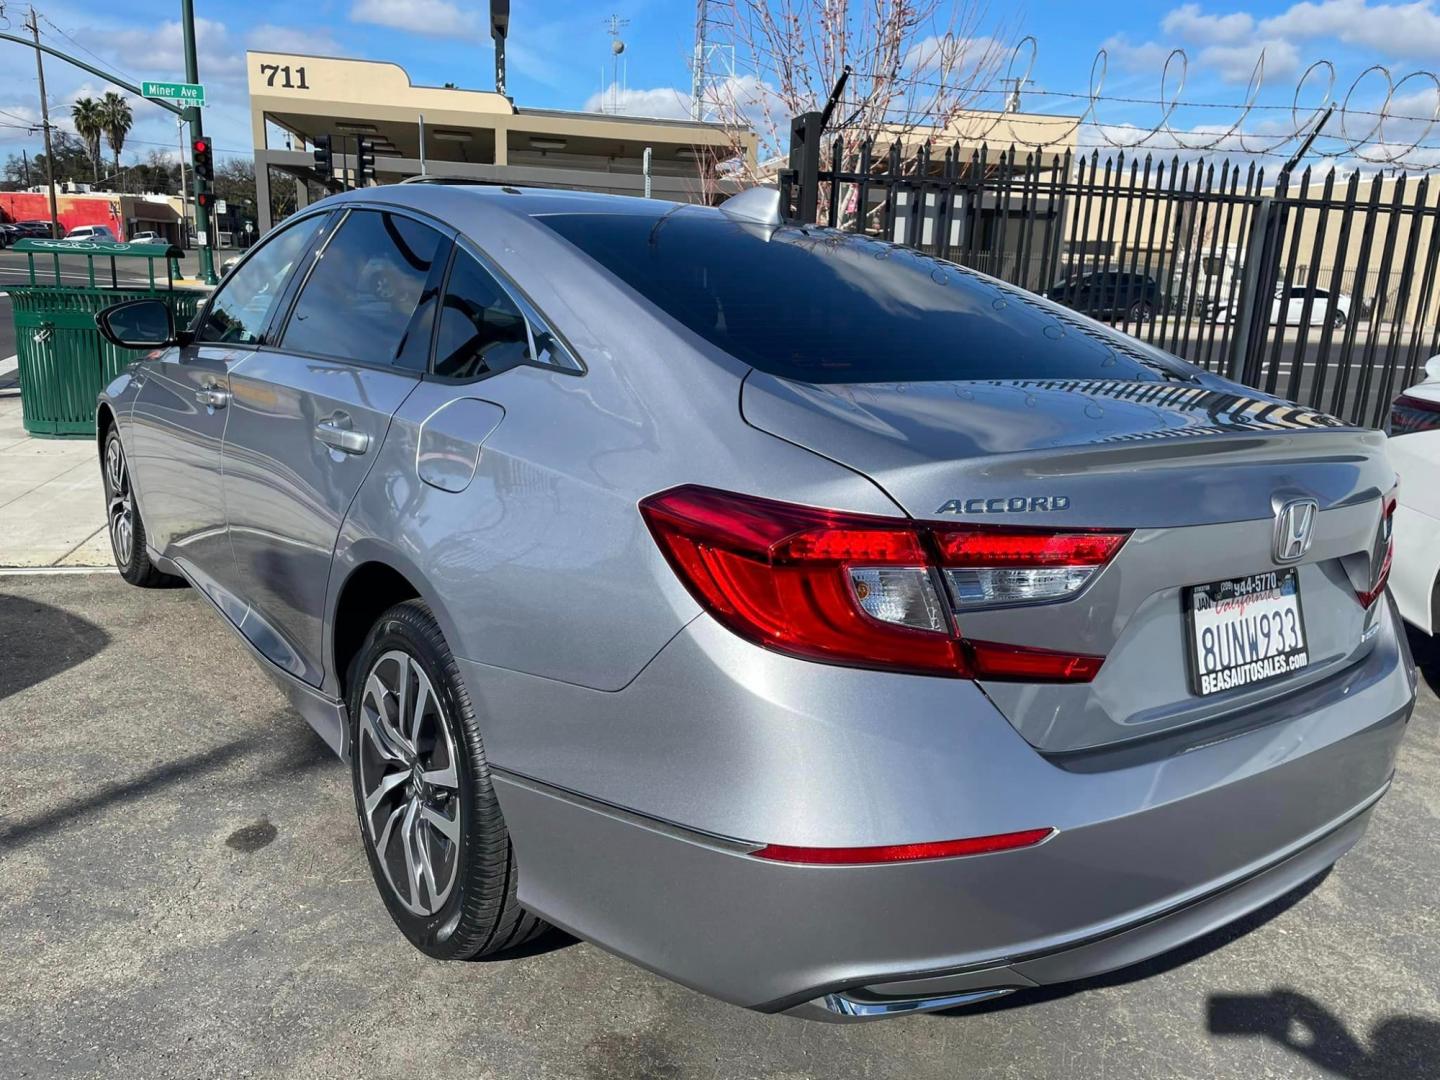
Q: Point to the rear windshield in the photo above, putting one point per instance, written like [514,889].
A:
[821,306]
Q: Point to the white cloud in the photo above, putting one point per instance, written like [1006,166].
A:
[946,53]
[1148,56]
[1190,24]
[1408,30]
[1236,63]
[664,102]
[433,18]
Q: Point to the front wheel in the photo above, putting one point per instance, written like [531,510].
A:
[433,832]
[1338,319]
[123,522]
[1140,312]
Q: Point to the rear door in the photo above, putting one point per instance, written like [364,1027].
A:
[307,419]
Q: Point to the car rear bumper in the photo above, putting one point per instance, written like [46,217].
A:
[645,846]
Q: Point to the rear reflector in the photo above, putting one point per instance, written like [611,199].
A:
[872,591]
[892,853]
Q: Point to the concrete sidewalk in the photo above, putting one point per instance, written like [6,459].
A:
[52,503]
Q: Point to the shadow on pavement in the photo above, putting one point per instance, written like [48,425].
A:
[1158,965]
[186,768]
[42,640]
[1426,650]
[1400,1046]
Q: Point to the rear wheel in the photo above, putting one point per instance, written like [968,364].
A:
[433,832]
[1140,312]
[1337,319]
[123,522]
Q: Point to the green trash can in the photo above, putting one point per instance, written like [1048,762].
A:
[64,362]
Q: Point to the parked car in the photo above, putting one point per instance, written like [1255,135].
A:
[8,235]
[1110,294]
[829,627]
[83,233]
[1289,308]
[1415,449]
[147,237]
[38,230]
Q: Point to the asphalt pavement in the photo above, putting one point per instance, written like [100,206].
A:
[183,894]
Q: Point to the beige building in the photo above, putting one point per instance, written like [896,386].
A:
[476,134]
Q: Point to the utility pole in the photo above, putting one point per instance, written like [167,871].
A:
[184,203]
[25,161]
[34,27]
[192,75]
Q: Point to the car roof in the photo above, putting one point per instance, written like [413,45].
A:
[520,201]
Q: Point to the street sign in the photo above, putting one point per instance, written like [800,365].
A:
[249,226]
[178,92]
[220,207]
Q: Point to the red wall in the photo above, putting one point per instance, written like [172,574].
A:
[74,209]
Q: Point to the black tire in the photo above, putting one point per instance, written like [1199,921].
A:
[1338,319]
[1140,312]
[122,515]
[478,914]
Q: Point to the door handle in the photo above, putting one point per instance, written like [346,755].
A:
[214,397]
[338,435]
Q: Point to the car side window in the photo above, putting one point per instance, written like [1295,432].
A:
[481,330]
[484,329]
[246,299]
[363,297]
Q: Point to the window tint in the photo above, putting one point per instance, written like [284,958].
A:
[246,298]
[361,300]
[481,329]
[821,306]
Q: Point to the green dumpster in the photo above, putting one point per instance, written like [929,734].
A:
[64,362]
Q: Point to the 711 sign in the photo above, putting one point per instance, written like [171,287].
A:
[178,92]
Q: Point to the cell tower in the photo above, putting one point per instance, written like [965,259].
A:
[613,25]
[714,62]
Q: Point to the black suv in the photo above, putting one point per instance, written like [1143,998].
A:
[1110,294]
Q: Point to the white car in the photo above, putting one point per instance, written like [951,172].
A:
[1415,453]
[1288,308]
[87,233]
[147,238]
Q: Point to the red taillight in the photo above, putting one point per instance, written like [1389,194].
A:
[866,591]
[1384,552]
[937,849]
[1411,414]
[1002,547]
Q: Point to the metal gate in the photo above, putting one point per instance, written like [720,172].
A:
[1319,288]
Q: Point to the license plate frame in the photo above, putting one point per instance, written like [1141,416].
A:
[1222,605]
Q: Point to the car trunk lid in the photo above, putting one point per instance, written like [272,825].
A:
[1197,471]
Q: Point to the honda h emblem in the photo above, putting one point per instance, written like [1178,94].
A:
[1294,526]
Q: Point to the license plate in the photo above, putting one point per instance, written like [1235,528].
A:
[1245,631]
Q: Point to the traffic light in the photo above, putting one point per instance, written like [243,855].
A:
[205,199]
[324,159]
[364,161]
[203,158]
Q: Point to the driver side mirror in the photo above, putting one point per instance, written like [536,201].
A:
[138,324]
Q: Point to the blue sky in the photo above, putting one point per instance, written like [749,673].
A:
[559,51]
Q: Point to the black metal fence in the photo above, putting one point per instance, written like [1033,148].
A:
[1320,288]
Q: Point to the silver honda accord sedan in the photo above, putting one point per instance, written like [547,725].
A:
[825,626]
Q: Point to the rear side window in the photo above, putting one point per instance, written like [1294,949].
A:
[363,299]
[481,329]
[822,306]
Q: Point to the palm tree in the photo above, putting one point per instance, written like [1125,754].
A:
[116,120]
[89,125]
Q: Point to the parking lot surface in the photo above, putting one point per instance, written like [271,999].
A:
[183,894]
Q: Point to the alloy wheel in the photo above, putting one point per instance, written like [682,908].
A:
[409,783]
[122,503]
